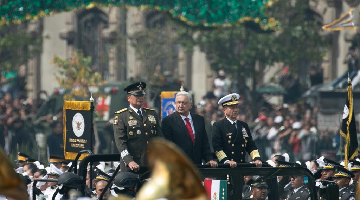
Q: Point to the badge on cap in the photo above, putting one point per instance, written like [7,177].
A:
[233,98]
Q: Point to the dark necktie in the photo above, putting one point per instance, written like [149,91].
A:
[139,113]
[234,124]
[188,127]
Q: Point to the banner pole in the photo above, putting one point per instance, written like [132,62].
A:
[92,121]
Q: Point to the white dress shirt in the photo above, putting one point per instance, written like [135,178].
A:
[232,122]
[136,110]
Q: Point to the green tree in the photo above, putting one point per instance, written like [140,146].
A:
[76,75]
[155,48]
[17,46]
[244,52]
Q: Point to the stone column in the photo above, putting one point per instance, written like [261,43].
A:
[32,69]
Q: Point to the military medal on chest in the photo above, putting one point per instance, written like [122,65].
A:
[132,122]
[244,132]
[152,119]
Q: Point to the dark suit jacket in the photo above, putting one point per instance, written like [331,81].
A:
[174,129]
[233,142]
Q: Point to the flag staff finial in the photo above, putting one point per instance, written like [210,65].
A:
[349,81]
[182,89]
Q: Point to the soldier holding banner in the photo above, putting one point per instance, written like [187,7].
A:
[134,127]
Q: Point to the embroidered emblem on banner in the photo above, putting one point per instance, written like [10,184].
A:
[132,122]
[244,132]
[78,124]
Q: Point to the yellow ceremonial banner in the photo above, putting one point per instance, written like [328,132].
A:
[77,128]
[344,22]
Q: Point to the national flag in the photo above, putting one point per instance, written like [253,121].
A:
[344,22]
[216,189]
[348,127]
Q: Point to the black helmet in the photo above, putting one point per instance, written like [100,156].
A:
[126,180]
[70,180]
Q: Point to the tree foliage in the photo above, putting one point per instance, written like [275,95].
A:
[76,75]
[239,48]
[154,48]
[17,46]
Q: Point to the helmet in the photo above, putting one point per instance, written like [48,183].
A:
[70,180]
[126,180]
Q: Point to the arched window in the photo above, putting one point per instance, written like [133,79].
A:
[91,24]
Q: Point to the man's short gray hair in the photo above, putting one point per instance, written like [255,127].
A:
[185,94]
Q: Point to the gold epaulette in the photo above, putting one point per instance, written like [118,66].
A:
[120,111]
[149,109]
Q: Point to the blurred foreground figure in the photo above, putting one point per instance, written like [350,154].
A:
[173,175]
[11,184]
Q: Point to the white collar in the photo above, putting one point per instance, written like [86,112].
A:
[232,122]
[188,116]
[297,189]
[135,109]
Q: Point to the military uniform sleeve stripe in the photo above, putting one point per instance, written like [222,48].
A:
[254,154]
[220,155]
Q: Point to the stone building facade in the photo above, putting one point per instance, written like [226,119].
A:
[94,31]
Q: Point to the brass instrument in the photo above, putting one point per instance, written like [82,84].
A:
[173,176]
[11,184]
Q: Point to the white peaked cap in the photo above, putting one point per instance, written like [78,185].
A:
[271,163]
[320,161]
[38,165]
[308,165]
[286,156]
[230,99]
[101,167]
[19,170]
[53,170]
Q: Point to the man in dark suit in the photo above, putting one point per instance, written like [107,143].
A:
[134,127]
[188,131]
[231,137]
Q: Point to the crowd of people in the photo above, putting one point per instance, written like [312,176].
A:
[283,128]
[274,131]
[329,175]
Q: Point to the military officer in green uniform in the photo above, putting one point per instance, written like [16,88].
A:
[231,137]
[134,127]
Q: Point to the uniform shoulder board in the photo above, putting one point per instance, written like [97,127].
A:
[120,111]
[149,109]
